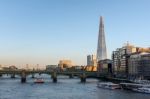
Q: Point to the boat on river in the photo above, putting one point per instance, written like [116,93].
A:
[142,90]
[146,82]
[108,85]
[131,86]
[38,80]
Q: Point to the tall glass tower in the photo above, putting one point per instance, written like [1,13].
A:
[101,48]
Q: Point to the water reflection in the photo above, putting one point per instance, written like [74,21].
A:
[65,89]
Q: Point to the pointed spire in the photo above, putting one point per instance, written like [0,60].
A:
[101,48]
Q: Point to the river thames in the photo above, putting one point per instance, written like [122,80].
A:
[65,89]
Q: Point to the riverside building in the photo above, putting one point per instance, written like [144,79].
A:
[139,66]
[129,61]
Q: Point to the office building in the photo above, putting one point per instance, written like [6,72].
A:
[139,65]
[122,56]
[101,48]
[91,60]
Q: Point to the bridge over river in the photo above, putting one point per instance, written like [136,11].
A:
[83,75]
[24,73]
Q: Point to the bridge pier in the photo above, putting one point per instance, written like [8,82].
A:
[12,75]
[83,78]
[40,74]
[33,76]
[54,77]
[23,76]
[71,76]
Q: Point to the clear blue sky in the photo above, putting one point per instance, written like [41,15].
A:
[45,31]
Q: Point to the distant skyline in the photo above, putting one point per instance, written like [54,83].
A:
[46,31]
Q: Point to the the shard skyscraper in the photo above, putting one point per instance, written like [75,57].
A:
[101,48]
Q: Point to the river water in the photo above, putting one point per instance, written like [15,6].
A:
[65,89]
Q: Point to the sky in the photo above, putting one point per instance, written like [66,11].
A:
[46,31]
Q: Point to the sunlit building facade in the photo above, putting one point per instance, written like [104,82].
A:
[91,60]
[64,64]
